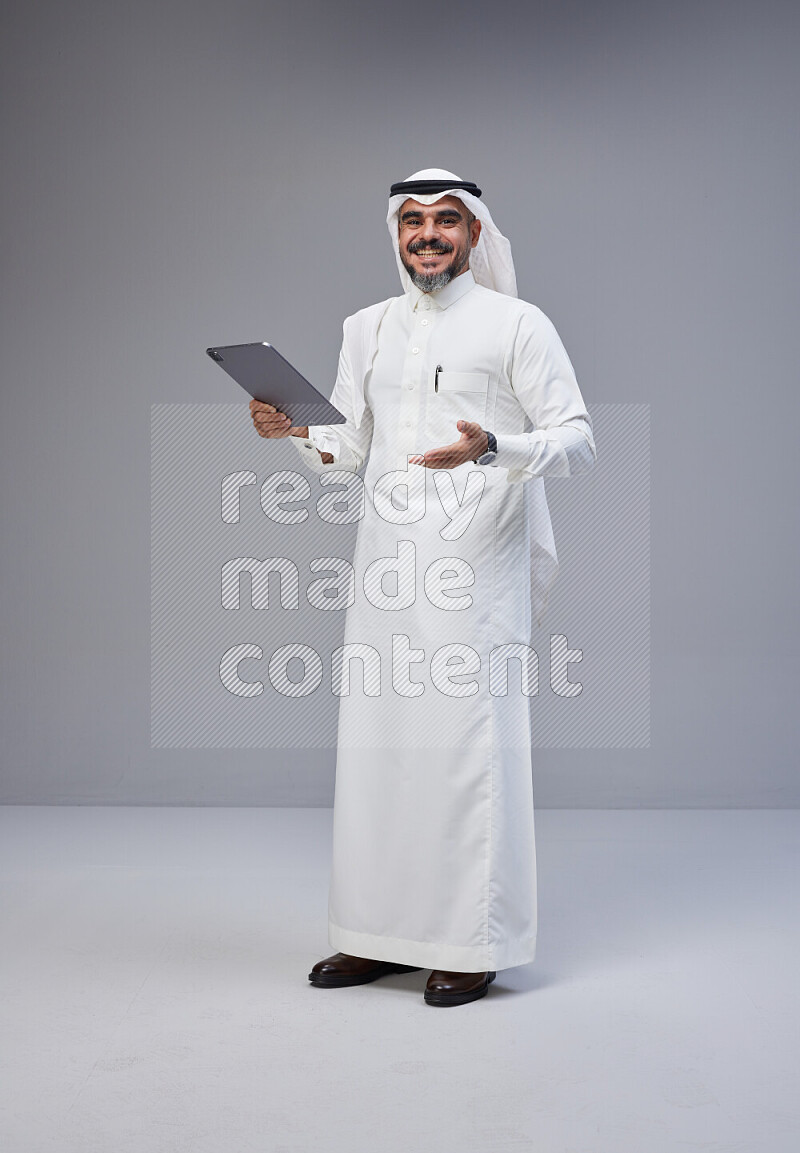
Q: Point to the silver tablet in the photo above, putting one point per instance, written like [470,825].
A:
[266,375]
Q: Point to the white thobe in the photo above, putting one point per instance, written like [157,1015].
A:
[433,837]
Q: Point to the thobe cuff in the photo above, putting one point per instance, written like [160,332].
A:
[560,451]
[320,440]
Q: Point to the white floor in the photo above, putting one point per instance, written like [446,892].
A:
[155,998]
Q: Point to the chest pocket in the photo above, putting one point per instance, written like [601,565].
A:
[455,396]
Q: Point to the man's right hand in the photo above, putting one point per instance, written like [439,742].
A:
[272,424]
[275,425]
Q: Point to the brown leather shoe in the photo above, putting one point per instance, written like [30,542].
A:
[341,969]
[456,988]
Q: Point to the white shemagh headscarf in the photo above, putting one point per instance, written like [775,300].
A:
[490,260]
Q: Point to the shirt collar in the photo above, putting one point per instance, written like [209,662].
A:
[459,286]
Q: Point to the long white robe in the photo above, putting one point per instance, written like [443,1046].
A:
[433,843]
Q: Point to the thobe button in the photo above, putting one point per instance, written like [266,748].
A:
[425,321]
[415,351]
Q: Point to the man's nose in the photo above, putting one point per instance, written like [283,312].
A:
[430,229]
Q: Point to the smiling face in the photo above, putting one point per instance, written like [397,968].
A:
[435,240]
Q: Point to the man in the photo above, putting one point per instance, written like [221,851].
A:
[461,398]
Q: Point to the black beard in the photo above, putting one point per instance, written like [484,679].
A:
[429,281]
[433,281]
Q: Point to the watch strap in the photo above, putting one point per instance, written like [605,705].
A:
[491,449]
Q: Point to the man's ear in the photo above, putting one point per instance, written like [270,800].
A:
[474,232]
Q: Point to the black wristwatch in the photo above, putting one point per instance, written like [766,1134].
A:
[490,455]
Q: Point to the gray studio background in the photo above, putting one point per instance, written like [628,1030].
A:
[179,174]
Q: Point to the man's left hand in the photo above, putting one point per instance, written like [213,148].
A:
[472,443]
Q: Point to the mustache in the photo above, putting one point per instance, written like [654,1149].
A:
[430,246]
